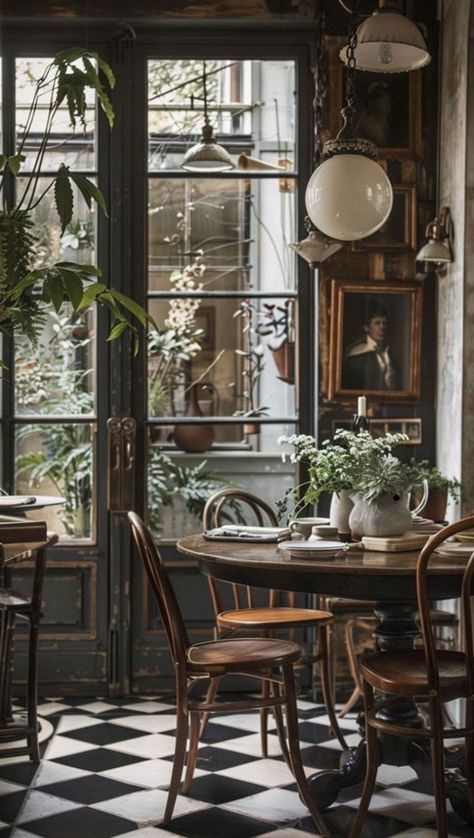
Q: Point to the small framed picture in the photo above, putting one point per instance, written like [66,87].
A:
[412,427]
[399,231]
[375,340]
[388,106]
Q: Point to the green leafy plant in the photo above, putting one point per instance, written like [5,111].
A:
[356,462]
[436,479]
[168,479]
[26,291]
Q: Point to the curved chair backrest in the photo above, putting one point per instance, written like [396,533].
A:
[466,585]
[162,589]
[220,503]
[213,510]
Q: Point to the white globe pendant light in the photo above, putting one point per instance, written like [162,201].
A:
[349,195]
[388,42]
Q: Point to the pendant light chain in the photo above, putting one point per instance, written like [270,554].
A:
[350,56]
[204,83]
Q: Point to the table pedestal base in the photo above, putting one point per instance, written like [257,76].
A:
[396,629]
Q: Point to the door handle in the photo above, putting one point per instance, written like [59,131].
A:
[121,433]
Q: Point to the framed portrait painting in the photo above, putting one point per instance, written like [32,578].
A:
[375,340]
[399,231]
[388,107]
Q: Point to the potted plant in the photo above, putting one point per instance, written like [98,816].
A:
[278,325]
[440,488]
[28,285]
[365,468]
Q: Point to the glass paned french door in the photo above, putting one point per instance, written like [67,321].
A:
[218,378]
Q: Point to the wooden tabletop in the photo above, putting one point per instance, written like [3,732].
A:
[12,553]
[361,575]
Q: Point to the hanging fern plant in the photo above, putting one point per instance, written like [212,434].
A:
[24,291]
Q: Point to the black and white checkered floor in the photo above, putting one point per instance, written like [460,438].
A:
[105,771]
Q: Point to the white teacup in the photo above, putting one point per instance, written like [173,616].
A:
[304,526]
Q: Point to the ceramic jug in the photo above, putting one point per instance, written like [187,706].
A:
[384,516]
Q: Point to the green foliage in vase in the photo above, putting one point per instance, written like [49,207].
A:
[26,290]
[356,462]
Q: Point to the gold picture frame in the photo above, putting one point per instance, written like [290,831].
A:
[375,340]
[389,107]
[399,231]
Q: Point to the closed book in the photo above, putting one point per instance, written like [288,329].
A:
[21,530]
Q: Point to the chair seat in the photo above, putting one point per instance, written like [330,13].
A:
[404,673]
[443,618]
[11,600]
[242,654]
[262,618]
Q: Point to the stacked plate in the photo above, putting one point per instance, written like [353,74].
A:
[467,536]
[425,526]
[455,550]
[312,549]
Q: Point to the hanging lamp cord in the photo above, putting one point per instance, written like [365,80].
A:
[204,83]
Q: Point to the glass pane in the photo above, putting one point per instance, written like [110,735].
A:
[238,230]
[57,460]
[77,244]
[221,357]
[179,487]
[75,149]
[251,107]
[58,376]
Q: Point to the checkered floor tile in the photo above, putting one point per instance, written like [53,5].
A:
[105,772]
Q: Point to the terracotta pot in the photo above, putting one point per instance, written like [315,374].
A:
[252,428]
[284,358]
[436,505]
[194,438]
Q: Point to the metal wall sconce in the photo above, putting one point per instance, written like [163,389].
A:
[388,42]
[439,232]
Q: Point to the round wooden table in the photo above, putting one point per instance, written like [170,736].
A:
[387,578]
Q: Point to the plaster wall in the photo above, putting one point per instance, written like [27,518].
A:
[455,407]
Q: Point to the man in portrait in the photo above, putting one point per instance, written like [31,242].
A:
[370,364]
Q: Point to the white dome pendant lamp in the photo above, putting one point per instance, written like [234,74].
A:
[349,195]
[388,42]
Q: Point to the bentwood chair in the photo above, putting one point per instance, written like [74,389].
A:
[196,664]
[435,675]
[17,606]
[272,617]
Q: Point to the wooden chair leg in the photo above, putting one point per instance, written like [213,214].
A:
[350,703]
[32,703]
[280,725]
[469,753]
[263,720]
[210,696]
[192,752]
[327,690]
[178,761]
[295,753]
[437,755]
[372,753]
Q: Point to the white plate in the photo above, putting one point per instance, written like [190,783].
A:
[455,549]
[312,549]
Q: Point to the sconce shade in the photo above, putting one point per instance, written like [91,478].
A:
[315,248]
[435,251]
[349,196]
[438,232]
[388,42]
[207,155]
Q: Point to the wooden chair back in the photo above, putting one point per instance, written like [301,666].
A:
[162,590]
[466,590]
[218,507]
